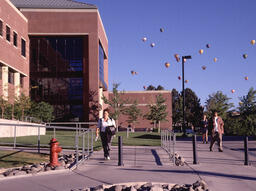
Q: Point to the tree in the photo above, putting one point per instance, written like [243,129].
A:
[193,108]
[247,110]
[157,112]
[176,107]
[159,87]
[133,113]
[3,105]
[151,87]
[22,104]
[218,102]
[42,111]
[116,103]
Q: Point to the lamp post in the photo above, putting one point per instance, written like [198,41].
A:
[183,93]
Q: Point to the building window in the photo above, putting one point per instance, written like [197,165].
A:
[8,33]
[1,28]
[21,81]
[23,47]
[10,77]
[14,38]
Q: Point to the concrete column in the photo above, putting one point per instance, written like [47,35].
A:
[17,84]
[5,82]
[101,102]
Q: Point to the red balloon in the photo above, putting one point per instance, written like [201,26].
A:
[179,77]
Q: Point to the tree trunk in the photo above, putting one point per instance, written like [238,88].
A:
[159,127]
[2,112]
[12,112]
[154,125]
[117,125]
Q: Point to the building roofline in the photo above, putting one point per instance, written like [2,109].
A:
[142,92]
[17,10]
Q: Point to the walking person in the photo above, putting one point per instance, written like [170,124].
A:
[205,129]
[106,128]
[217,131]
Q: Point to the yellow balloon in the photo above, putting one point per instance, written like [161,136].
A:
[201,51]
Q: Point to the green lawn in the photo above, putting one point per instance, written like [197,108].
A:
[66,139]
[10,159]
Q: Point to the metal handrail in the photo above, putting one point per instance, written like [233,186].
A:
[168,141]
[80,133]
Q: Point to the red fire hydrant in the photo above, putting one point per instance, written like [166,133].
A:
[54,150]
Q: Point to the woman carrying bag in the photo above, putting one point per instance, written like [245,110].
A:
[106,128]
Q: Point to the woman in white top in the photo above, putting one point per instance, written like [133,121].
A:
[105,135]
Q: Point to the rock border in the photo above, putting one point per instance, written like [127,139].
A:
[199,185]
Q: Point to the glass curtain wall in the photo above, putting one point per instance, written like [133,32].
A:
[56,74]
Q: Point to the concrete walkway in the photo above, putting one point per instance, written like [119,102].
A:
[221,171]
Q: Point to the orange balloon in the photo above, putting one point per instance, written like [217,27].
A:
[186,81]
[246,78]
[177,57]
[215,59]
[252,42]
[233,91]
[167,64]
[144,87]
[201,51]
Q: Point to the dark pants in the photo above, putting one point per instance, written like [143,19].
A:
[216,137]
[106,143]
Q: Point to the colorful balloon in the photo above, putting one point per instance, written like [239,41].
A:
[177,57]
[245,56]
[246,78]
[186,81]
[233,91]
[179,77]
[161,30]
[136,73]
[144,39]
[240,103]
[167,64]
[152,45]
[144,87]
[201,51]
[252,42]
[208,46]
[203,67]
[215,59]
[132,72]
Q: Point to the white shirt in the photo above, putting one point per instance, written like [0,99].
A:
[216,124]
[103,124]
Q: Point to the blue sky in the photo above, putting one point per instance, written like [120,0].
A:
[227,25]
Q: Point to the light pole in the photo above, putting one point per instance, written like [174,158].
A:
[183,93]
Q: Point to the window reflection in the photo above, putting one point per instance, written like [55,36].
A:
[56,67]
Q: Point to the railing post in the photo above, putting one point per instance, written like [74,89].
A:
[92,140]
[38,141]
[173,147]
[120,151]
[88,142]
[194,150]
[83,146]
[14,143]
[246,156]
[76,142]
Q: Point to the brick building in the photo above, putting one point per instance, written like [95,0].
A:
[60,49]
[14,52]
[144,99]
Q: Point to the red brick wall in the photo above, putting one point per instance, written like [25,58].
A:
[145,98]
[9,54]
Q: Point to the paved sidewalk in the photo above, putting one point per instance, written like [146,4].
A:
[221,171]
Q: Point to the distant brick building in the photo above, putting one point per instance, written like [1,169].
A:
[144,99]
